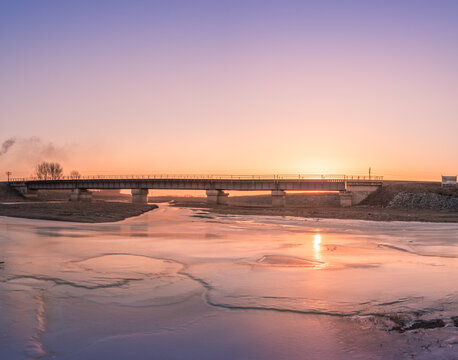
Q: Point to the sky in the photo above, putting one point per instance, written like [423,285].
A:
[230,87]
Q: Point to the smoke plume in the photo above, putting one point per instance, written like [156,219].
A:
[6,146]
[21,155]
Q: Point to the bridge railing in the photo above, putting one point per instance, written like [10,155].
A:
[210,177]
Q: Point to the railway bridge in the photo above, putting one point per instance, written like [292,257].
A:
[352,189]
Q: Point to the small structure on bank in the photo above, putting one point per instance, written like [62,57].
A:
[449,180]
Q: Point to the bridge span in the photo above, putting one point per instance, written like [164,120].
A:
[352,189]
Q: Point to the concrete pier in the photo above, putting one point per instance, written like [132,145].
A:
[278,198]
[217,197]
[80,195]
[28,193]
[360,191]
[139,196]
[346,198]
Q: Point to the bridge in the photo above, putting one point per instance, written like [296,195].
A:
[352,189]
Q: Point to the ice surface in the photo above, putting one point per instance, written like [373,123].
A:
[172,285]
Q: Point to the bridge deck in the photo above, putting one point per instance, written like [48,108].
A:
[233,183]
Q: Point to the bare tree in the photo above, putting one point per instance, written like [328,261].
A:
[48,171]
[41,171]
[75,174]
[55,171]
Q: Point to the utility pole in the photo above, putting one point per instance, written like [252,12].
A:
[369,173]
[8,173]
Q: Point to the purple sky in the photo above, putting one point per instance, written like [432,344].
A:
[232,86]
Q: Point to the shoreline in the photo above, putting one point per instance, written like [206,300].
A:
[113,211]
[79,212]
[359,212]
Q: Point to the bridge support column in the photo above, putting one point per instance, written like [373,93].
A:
[80,195]
[217,197]
[139,196]
[28,193]
[278,198]
[346,198]
[360,191]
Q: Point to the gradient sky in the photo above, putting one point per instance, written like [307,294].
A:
[231,86]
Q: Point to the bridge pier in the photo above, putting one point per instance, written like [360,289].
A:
[80,195]
[278,198]
[360,191]
[217,197]
[346,198]
[139,196]
[27,193]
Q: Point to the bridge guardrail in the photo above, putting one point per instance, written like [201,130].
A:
[212,177]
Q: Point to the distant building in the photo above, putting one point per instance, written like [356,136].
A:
[448,180]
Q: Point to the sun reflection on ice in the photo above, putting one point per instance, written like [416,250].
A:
[317,247]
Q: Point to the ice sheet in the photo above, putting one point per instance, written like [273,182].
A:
[185,283]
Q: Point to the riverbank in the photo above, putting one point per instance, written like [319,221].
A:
[359,212]
[373,213]
[392,202]
[91,212]
[106,206]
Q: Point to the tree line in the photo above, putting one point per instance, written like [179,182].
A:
[53,171]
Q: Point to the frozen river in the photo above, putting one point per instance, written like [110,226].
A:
[186,284]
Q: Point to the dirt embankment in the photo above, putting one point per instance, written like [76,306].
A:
[63,210]
[373,213]
[390,189]
[91,212]
[9,194]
